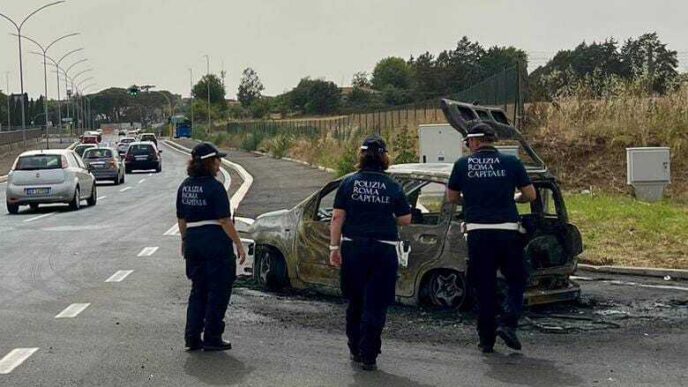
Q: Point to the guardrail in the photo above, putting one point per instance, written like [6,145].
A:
[16,136]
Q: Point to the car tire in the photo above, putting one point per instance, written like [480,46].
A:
[93,199]
[158,169]
[33,206]
[447,289]
[269,269]
[75,204]
[12,208]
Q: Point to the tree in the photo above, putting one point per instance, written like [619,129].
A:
[250,87]
[217,92]
[648,57]
[315,96]
[394,72]
[259,108]
[361,81]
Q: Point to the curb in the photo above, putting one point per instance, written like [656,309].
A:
[636,271]
[319,167]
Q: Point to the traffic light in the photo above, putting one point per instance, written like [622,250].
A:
[134,90]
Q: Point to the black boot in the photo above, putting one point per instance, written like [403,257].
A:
[509,336]
[193,345]
[216,345]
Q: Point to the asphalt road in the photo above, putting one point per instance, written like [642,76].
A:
[131,331]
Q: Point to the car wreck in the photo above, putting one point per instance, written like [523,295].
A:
[292,245]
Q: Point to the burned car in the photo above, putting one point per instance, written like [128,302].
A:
[292,245]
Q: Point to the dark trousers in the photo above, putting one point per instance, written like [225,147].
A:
[368,280]
[211,267]
[488,251]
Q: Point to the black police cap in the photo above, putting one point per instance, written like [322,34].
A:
[482,131]
[206,150]
[374,143]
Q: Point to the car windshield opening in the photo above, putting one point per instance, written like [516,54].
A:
[140,149]
[32,163]
[97,153]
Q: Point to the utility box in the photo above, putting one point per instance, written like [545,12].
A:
[511,150]
[648,170]
[439,143]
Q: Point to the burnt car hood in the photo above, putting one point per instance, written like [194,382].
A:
[462,116]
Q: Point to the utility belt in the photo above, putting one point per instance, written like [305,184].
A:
[203,223]
[508,226]
[403,248]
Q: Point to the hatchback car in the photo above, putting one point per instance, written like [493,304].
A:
[143,155]
[81,148]
[123,144]
[49,176]
[292,245]
[149,137]
[105,164]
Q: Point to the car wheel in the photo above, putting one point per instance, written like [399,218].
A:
[75,204]
[12,208]
[445,289]
[158,168]
[34,206]
[94,196]
[269,269]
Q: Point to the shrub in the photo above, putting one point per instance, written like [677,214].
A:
[348,160]
[279,145]
[251,142]
[404,148]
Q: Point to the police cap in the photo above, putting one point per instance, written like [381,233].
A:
[482,131]
[206,150]
[374,143]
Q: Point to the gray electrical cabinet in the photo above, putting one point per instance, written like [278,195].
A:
[439,143]
[648,170]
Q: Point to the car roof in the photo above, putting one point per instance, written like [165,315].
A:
[127,138]
[151,143]
[59,152]
[101,147]
[86,145]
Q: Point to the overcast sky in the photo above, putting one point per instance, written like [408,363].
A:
[156,41]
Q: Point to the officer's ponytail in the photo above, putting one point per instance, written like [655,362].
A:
[198,168]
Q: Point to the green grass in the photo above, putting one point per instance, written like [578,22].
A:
[619,230]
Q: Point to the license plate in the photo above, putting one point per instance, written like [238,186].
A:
[37,191]
[141,157]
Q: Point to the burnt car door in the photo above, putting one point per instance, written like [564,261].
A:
[313,240]
[426,235]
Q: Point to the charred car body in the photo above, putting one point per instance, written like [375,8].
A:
[292,245]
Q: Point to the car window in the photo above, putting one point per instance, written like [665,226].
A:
[38,162]
[325,207]
[141,149]
[426,199]
[95,153]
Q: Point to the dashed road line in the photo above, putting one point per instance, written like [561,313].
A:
[119,276]
[14,359]
[125,189]
[73,310]
[141,181]
[102,197]
[39,217]
[174,230]
[148,251]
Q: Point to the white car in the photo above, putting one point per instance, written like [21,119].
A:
[49,176]
[123,144]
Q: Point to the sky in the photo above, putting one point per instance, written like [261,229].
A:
[156,42]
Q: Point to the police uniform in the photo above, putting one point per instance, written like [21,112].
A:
[372,201]
[488,180]
[209,255]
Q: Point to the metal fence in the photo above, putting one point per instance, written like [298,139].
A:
[16,136]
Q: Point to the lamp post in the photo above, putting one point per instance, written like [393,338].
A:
[90,115]
[44,50]
[207,80]
[7,82]
[19,27]
[191,96]
[74,80]
[66,73]
[83,95]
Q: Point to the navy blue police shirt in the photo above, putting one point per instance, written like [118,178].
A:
[202,198]
[372,201]
[488,180]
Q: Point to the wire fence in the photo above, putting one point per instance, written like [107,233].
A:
[16,136]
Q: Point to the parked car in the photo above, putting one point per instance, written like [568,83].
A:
[292,245]
[105,164]
[143,155]
[49,176]
[149,137]
[79,149]
[123,144]
[90,139]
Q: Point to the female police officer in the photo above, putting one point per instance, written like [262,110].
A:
[207,231]
[367,208]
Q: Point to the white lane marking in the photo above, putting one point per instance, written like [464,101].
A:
[102,197]
[627,283]
[174,230]
[39,217]
[14,359]
[148,251]
[150,174]
[141,181]
[125,189]
[119,276]
[73,310]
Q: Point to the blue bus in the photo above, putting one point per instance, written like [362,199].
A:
[182,126]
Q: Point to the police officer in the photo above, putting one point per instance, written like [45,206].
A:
[367,209]
[204,218]
[485,183]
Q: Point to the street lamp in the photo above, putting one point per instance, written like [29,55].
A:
[45,75]
[207,80]
[7,82]
[91,122]
[191,96]
[74,80]
[21,65]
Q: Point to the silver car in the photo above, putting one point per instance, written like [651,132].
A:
[105,164]
[49,176]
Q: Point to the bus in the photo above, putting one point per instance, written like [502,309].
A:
[182,126]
